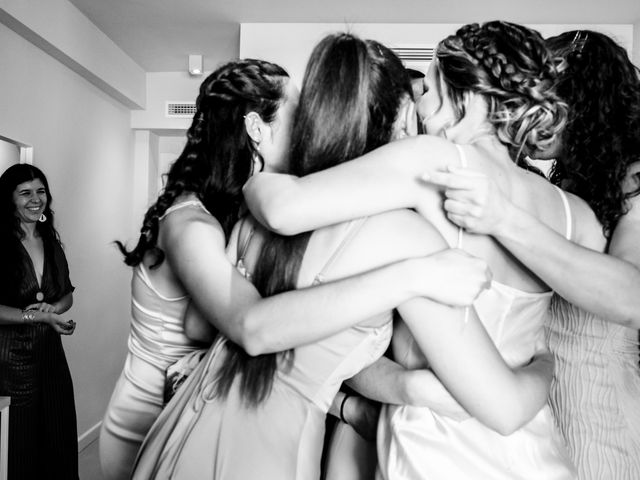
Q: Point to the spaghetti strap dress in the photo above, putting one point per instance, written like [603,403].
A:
[416,443]
[156,341]
[203,436]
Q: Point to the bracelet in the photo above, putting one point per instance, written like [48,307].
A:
[344,400]
[28,316]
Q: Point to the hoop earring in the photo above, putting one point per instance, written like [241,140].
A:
[43,218]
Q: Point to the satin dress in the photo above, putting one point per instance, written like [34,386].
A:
[416,443]
[202,436]
[156,341]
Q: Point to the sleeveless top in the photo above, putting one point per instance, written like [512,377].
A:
[201,435]
[417,442]
[157,329]
[595,391]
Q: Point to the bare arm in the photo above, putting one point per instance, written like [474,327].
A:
[195,251]
[581,275]
[60,306]
[463,357]
[382,180]
[197,327]
[466,361]
[476,203]
[14,316]
[359,412]
[389,382]
[64,303]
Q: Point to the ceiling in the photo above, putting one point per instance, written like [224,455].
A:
[160,34]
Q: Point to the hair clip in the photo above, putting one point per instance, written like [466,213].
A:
[577,44]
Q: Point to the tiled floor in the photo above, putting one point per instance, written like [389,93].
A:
[89,463]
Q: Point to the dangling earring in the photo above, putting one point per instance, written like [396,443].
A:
[258,164]
[43,218]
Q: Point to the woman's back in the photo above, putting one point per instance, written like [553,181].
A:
[513,312]
[287,427]
[528,190]
[156,340]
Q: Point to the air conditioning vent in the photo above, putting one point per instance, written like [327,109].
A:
[180,109]
[414,54]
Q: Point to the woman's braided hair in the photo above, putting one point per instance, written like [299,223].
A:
[217,159]
[510,66]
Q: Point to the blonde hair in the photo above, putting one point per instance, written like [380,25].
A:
[510,66]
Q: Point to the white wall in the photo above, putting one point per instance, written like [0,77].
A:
[9,154]
[161,88]
[60,29]
[290,44]
[81,138]
[636,44]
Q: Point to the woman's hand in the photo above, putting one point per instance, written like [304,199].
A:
[43,307]
[362,414]
[57,322]
[473,200]
[452,277]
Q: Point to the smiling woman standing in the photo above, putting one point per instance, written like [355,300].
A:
[35,291]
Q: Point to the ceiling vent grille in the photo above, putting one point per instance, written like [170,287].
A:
[180,109]
[414,54]
[416,57]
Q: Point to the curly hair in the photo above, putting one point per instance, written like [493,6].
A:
[217,158]
[602,137]
[511,67]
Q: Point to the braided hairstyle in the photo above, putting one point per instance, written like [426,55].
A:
[217,159]
[511,67]
[351,93]
[602,137]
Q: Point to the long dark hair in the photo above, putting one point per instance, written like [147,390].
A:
[351,93]
[218,157]
[512,68]
[602,138]
[11,232]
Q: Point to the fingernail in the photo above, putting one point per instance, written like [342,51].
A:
[426,177]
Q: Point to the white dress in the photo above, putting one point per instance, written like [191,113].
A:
[417,443]
[205,437]
[156,341]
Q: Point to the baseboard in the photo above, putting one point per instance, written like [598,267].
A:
[89,436]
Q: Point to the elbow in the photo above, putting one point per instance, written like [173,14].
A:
[410,391]
[250,336]
[277,212]
[508,421]
[507,428]
[270,211]
[275,219]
